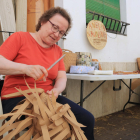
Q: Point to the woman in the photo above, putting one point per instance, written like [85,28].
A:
[27,55]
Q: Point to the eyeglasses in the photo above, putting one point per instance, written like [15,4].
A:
[56,29]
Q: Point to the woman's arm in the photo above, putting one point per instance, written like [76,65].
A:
[60,84]
[8,67]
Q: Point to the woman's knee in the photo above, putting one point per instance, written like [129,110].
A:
[90,119]
[86,118]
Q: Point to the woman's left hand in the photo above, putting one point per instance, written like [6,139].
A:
[54,91]
[60,84]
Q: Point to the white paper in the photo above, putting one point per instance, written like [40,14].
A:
[101,72]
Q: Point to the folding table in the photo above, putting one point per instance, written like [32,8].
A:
[88,77]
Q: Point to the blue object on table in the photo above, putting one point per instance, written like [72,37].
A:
[81,69]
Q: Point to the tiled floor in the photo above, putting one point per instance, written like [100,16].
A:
[119,126]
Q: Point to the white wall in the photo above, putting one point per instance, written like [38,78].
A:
[60,4]
[120,49]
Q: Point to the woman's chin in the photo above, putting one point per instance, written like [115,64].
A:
[51,43]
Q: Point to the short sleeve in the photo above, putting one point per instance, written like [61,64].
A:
[61,63]
[11,46]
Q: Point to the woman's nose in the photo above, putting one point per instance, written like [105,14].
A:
[57,34]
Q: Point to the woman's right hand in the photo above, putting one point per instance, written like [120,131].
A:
[36,71]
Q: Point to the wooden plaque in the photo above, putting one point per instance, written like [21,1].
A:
[96,34]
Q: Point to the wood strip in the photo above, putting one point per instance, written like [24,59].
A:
[26,134]
[36,136]
[62,134]
[1,38]
[7,17]
[21,15]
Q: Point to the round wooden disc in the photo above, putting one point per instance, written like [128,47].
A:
[96,34]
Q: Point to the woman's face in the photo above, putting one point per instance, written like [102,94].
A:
[49,37]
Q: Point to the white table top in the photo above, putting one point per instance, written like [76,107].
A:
[89,77]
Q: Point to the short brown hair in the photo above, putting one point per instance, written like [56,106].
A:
[50,13]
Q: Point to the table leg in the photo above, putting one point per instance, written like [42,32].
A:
[129,96]
[81,93]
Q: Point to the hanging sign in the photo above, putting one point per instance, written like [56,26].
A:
[96,34]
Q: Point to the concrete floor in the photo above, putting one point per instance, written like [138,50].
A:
[119,126]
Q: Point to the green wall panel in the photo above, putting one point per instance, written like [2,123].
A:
[110,8]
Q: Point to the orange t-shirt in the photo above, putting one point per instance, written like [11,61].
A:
[21,47]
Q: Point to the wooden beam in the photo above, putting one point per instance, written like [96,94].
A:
[51,2]
[46,5]
[34,10]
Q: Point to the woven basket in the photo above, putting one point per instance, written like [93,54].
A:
[138,62]
[69,59]
[45,118]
